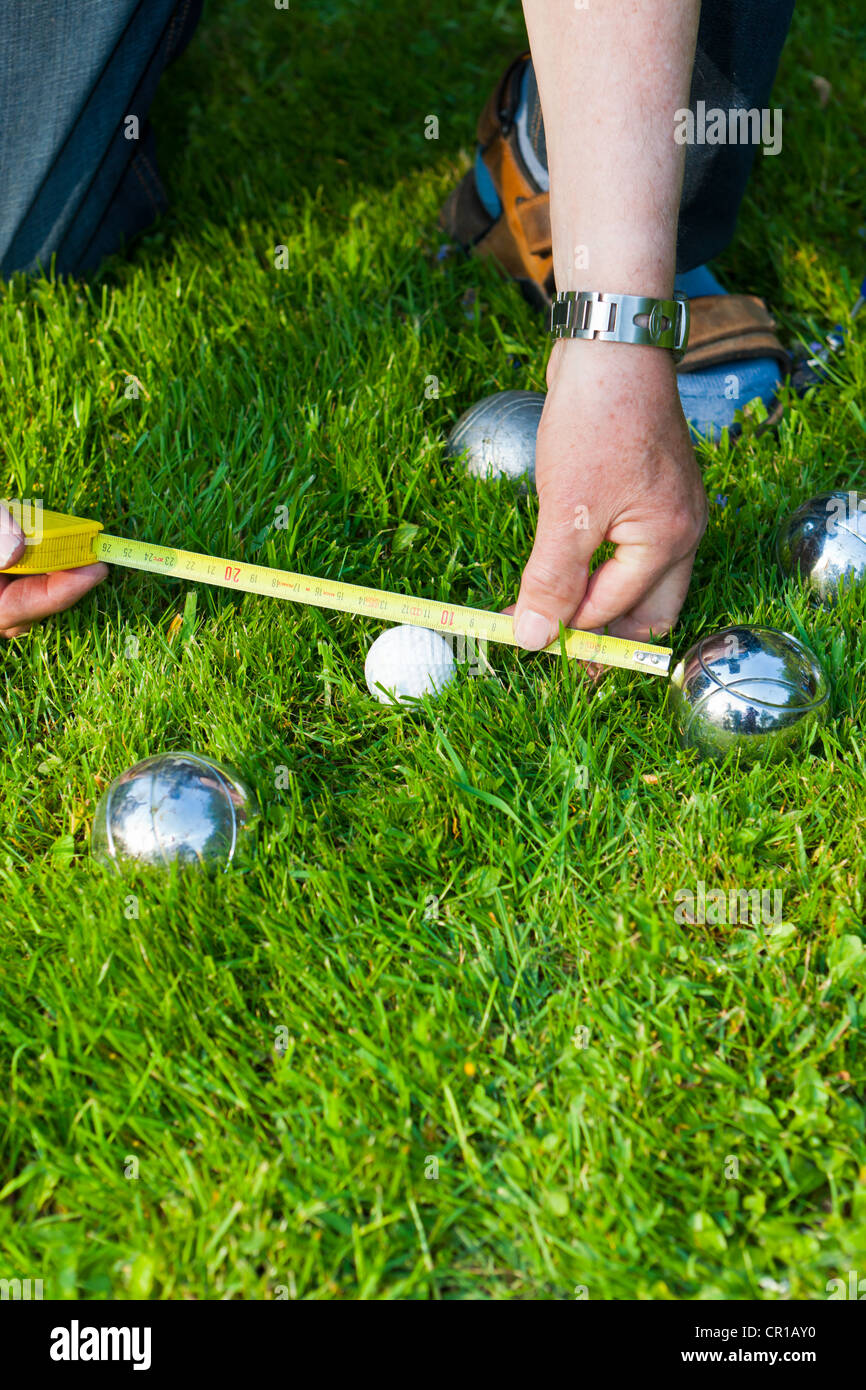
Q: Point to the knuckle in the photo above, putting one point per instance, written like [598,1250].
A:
[686,524]
[664,622]
[554,584]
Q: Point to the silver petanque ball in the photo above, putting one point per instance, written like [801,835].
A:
[753,689]
[497,435]
[823,544]
[173,808]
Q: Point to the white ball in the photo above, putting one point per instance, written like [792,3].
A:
[410,662]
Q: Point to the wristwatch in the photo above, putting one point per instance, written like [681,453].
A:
[622,318]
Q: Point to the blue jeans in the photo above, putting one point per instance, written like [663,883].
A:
[739,46]
[78,174]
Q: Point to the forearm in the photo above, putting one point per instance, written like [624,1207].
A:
[611,77]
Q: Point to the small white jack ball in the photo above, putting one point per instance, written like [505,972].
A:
[408,662]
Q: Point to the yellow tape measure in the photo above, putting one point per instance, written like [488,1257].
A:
[66,542]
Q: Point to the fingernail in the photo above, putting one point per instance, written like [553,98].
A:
[532,631]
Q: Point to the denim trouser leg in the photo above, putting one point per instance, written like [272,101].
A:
[738,50]
[73,184]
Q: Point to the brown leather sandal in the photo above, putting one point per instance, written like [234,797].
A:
[724,328]
[519,240]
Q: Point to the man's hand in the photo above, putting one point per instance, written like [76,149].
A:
[613,463]
[613,439]
[26,599]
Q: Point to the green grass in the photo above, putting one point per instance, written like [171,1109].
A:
[441,946]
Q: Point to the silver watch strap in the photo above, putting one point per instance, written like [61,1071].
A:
[622,318]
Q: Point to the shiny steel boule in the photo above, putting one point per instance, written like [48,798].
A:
[173,808]
[823,544]
[753,689]
[497,435]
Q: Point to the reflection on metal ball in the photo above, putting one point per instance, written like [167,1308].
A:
[753,689]
[173,808]
[497,436]
[824,544]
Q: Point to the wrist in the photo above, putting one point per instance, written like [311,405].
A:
[588,359]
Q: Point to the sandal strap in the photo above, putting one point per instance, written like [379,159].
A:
[521,239]
[500,109]
[731,328]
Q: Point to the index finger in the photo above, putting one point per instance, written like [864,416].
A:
[620,584]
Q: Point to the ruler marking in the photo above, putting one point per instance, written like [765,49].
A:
[354,598]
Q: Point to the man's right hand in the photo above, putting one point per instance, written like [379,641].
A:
[613,463]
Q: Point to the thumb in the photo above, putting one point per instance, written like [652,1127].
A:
[556,575]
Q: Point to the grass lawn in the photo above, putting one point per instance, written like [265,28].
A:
[439,1035]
